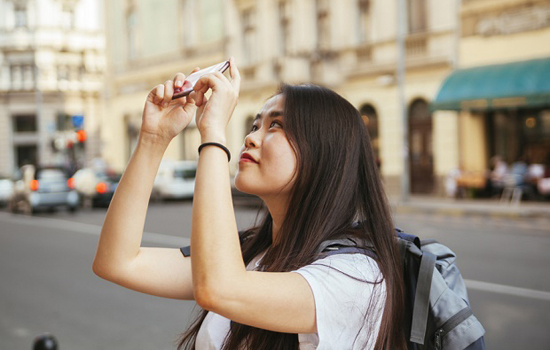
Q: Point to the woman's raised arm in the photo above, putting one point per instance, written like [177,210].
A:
[119,257]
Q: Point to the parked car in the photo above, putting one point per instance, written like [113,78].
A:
[43,188]
[6,190]
[96,187]
[175,180]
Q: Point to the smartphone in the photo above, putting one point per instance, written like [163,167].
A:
[192,79]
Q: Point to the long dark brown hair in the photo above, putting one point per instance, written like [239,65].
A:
[337,184]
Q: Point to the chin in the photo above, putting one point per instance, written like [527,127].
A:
[241,184]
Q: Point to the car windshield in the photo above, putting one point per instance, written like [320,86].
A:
[187,174]
[50,174]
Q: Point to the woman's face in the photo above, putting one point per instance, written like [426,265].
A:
[267,164]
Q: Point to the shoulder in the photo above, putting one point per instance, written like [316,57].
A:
[355,266]
[344,288]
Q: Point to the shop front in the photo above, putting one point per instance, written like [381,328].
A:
[504,126]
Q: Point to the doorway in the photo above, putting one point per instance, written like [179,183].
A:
[420,148]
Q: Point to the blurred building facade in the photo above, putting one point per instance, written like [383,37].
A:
[52,60]
[148,42]
[349,45]
[500,96]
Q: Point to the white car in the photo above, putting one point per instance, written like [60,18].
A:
[175,180]
[6,191]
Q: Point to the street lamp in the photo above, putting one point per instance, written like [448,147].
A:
[401,32]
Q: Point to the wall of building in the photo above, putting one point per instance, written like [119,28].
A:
[360,66]
[167,37]
[51,63]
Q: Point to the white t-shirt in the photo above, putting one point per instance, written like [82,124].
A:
[341,303]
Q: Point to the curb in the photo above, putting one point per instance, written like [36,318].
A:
[494,212]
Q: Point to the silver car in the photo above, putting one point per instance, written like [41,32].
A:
[43,188]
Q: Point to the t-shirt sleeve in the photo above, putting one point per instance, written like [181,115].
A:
[343,287]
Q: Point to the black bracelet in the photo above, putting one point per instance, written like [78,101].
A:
[217,145]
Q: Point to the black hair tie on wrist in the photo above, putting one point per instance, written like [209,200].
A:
[217,145]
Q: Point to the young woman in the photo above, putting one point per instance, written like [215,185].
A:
[309,158]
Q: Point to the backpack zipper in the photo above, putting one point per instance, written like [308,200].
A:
[450,324]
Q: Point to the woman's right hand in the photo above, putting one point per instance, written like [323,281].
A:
[164,118]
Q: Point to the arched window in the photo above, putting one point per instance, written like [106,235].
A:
[370,118]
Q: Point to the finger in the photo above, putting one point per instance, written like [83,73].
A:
[223,79]
[158,94]
[234,74]
[197,98]
[178,80]
[200,108]
[208,81]
[200,88]
[168,92]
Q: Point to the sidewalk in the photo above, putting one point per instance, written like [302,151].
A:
[491,208]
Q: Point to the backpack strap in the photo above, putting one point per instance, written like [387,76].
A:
[422,298]
[346,245]
[348,250]
[186,251]
[410,244]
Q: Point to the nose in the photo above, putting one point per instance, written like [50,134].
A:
[252,140]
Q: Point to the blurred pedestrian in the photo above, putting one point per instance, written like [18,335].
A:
[497,175]
[309,158]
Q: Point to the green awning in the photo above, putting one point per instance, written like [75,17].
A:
[512,85]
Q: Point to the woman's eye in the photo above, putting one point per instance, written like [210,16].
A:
[275,123]
[253,128]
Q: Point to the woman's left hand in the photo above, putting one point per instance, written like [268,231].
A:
[215,112]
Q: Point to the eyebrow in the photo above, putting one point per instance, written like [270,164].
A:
[272,114]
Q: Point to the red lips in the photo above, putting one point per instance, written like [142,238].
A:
[246,157]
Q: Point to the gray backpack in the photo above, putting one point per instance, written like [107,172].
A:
[437,312]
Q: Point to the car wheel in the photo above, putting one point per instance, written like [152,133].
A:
[73,209]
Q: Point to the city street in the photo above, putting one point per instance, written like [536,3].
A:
[47,283]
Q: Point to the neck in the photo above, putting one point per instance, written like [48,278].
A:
[277,209]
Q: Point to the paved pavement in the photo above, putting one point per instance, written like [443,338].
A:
[491,208]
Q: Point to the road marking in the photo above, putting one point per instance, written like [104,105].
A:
[175,241]
[71,226]
[509,290]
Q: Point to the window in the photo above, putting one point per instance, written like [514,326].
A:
[26,155]
[248,35]
[24,123]
[323,24]
[20,13]
[16,73]
[67,17]
[363,22]
[188,22]
[417,16]
[284,27]
[62,73]
[132,32]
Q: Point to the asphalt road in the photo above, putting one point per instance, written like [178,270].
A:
[47,285]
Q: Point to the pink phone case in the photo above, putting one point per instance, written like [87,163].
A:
[192,79]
